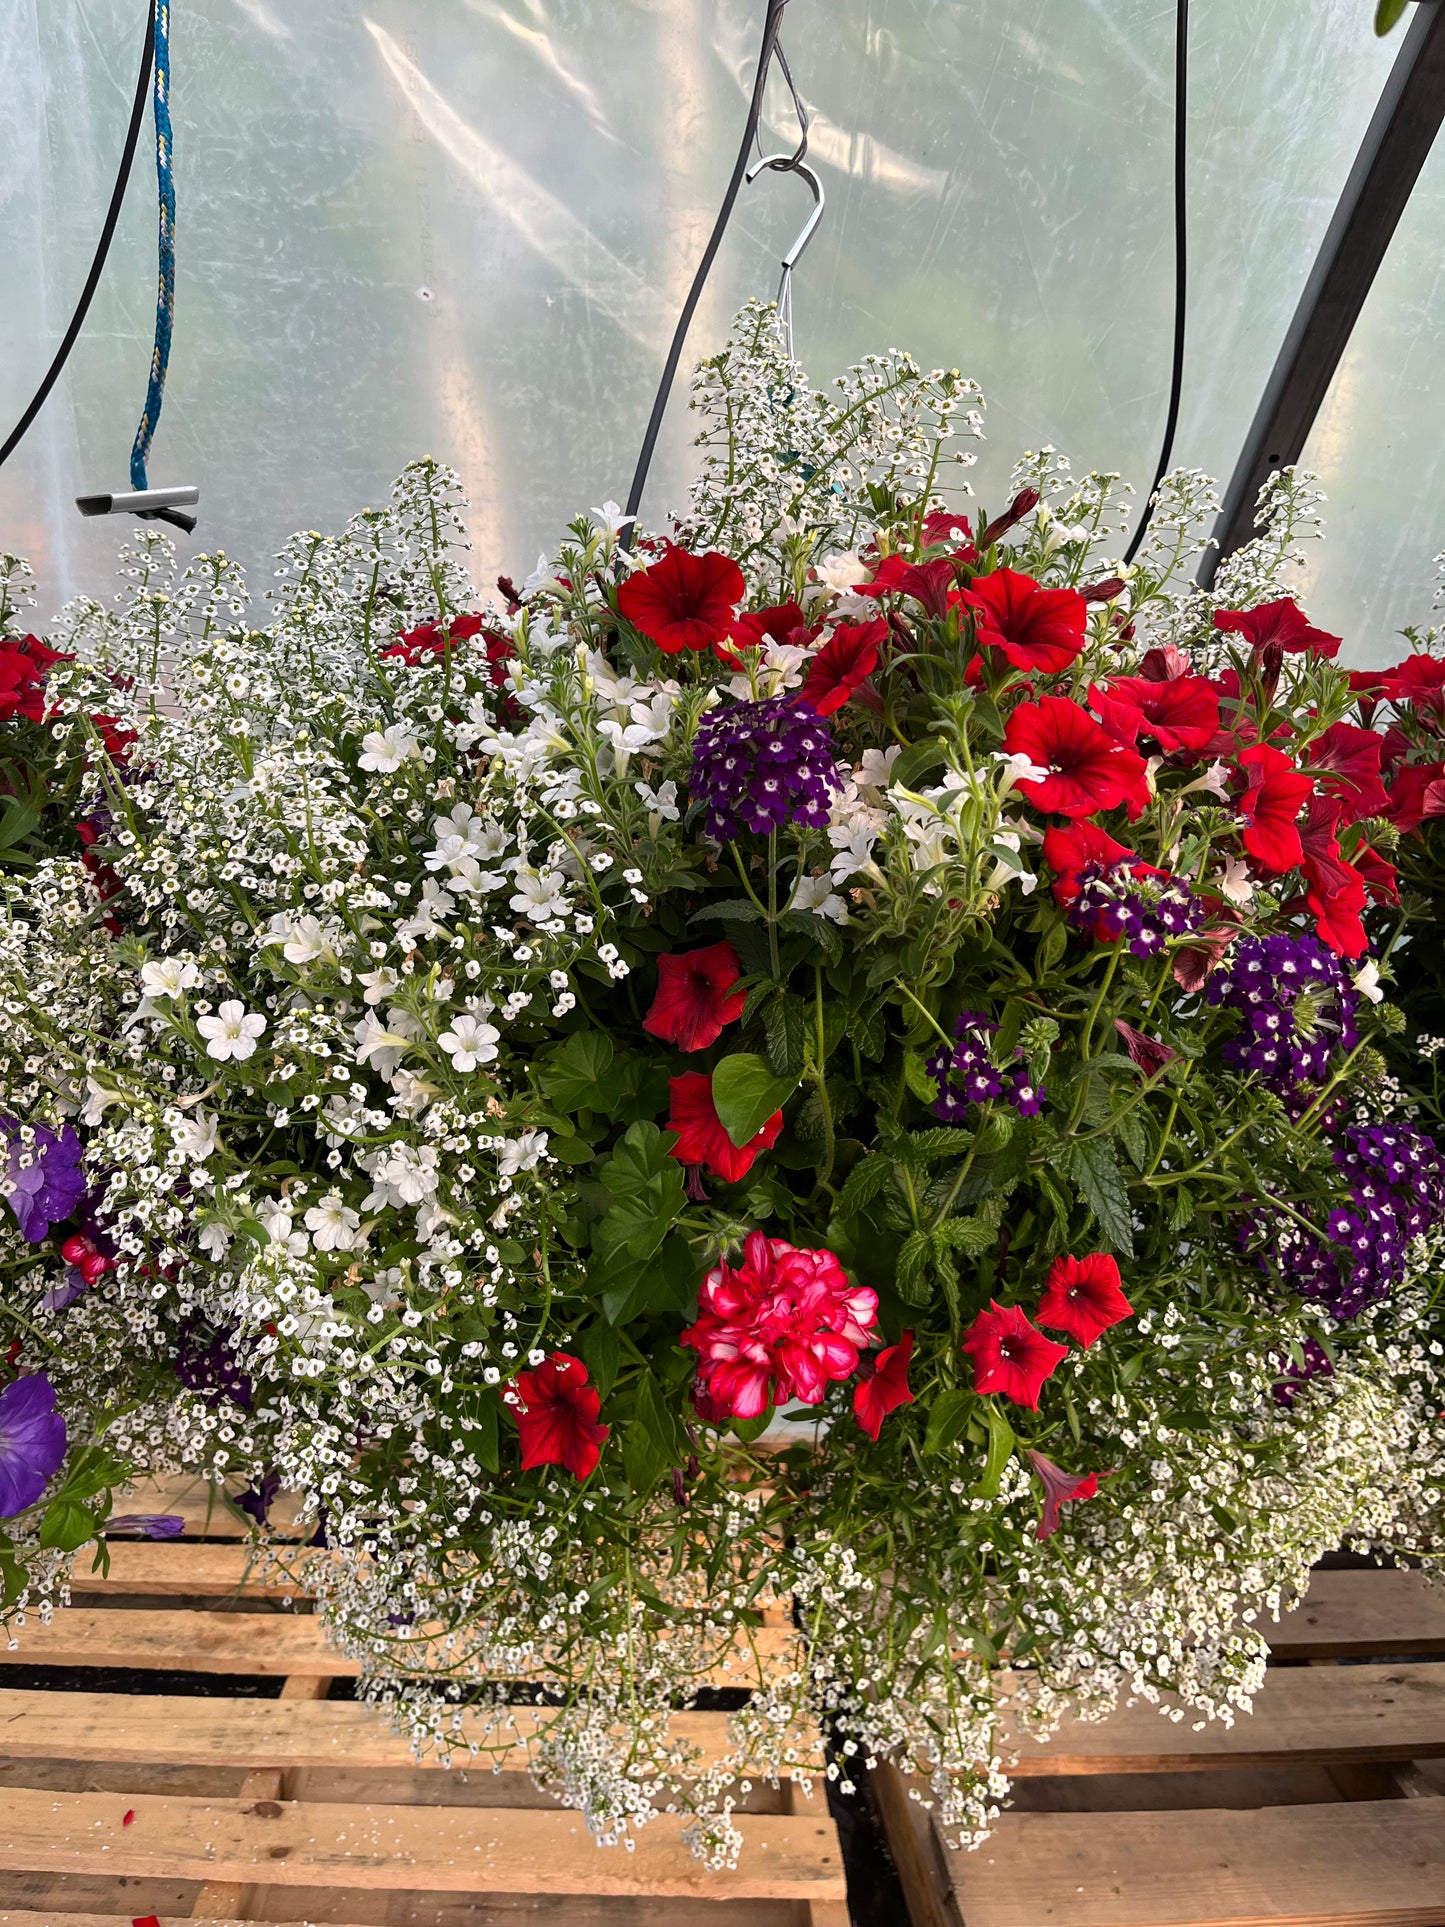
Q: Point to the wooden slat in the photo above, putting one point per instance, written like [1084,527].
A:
[1363,1864]
[181,1566]
[285,1734]
[430,1849]
[194,1642]
[204,1509]
[1302,1715]
[1360,1615]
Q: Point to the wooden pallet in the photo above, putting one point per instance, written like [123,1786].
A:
[1323,1808]
[118,1805]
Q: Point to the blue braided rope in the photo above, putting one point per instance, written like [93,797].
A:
[166,294]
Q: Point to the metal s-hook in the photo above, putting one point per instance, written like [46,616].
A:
[792,164]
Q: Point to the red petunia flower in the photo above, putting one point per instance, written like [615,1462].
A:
[1087,769]
[1036,629]
[1381,881]
[1024,503]
[1010,1355]
[1419,681]
[1282,624]
[683,601]
[1179,714]
[1060,1487]
[22,682]
[885,1387]
[1074,849]
[1346,762]
[781,623]
[1275,794]
[695,997]
[1147,1052]
[412,646]
[115,741]
[1083,1297]
[943,529]
[1335,889]
[933,584]
[842,665]
[1416,795]
[556,1412]
[701,1138]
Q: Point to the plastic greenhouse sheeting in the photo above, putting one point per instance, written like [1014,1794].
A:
[467,227]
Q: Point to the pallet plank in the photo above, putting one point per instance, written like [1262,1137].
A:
[194,1642]
[197,1569]
[409,1848]
[1372,1613]
[1302,1715]
[1360,1864]
[285,1734]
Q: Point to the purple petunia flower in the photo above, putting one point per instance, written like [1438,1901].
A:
[32,1441]
[40,1175]
[150,1525]
[758,766]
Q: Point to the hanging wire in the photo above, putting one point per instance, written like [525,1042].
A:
[793,163]
[766,55]
[1181,210]
[107,234]
[166,292]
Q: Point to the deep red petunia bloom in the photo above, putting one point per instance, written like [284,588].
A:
[933,584]
[1179,714]
[1024,503]
[886,1386]
[783,622]
[1087,769]
[1072,850]
[1083,1297]
[1037,629]
[701,1138]
[413,646]
[1147,1052]
[1283,624]
[1275,794]
[1381,881]
[1346,762]
[943,529]
[556,1412]
[1060,1487]
[1418,680]
[844,663]
[1010,1355]
[114,740]
[695,996]
[1335,889]
[22,682]
[1417,795]
[683,601]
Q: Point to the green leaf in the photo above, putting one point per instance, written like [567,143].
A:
[973,1235]
[646,1188]
[600,1350]
[65,1524]
[786,1023]
[1387,13]
[1131,1134]
[644,1459]
[915,763]
[1093,1164]
[869,1032]
[485,1442]
[660,1417]
[915,1264]
[748,1429]
[730,910]
[864,1182]
[917,1078]
[579,1074]
[1000,1445]
[926,1147]
[745,1094]
[1052,945]
[947,1420]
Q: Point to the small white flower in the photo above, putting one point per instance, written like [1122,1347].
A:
[411,1094]
[521,1154]
[1367,981]
[469,1043]
[333,1224]
[611,519]
[842,572]
[661,804]
[232,1032]
[195,1136]
[281,1230]
[168,978]
[385,750]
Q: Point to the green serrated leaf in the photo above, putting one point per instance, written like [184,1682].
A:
[973,1235]
[927,1147]
[579,1073]
[869,1032]
[867,1178]
[1131,1134]
[645,1185]
[730,910]
[746,1093]
[1093,1164]
[915,1267]
[785,1022]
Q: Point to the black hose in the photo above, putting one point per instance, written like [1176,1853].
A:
[97,266]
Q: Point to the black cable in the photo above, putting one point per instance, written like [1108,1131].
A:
[694,293]
[97,266]
[1181,144]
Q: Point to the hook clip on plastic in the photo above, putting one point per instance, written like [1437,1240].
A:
[791,164]
[155,504]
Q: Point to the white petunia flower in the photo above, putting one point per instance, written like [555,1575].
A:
[97,1098]
[214,1239]
[660,803]
[875,772]
[470,1043]
[195,1136]
[538,895]
[1235,883]
[1367,981]
[843,572]
[168,978]
[232,1032]
[303,941]
[611,519]
[333,1224]
[280,1228]
[816,894]
[1018,768]
[385,750]
[380,984]
[521,1154]
[853,853]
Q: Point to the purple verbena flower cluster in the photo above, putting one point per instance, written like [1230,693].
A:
[1296,1005]
[759,766]
[967,1074]
[40,1175]
[1294,1375]
[1116,901]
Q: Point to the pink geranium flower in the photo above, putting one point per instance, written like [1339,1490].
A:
[785,1323]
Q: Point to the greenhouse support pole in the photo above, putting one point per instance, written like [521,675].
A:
[1397,141]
